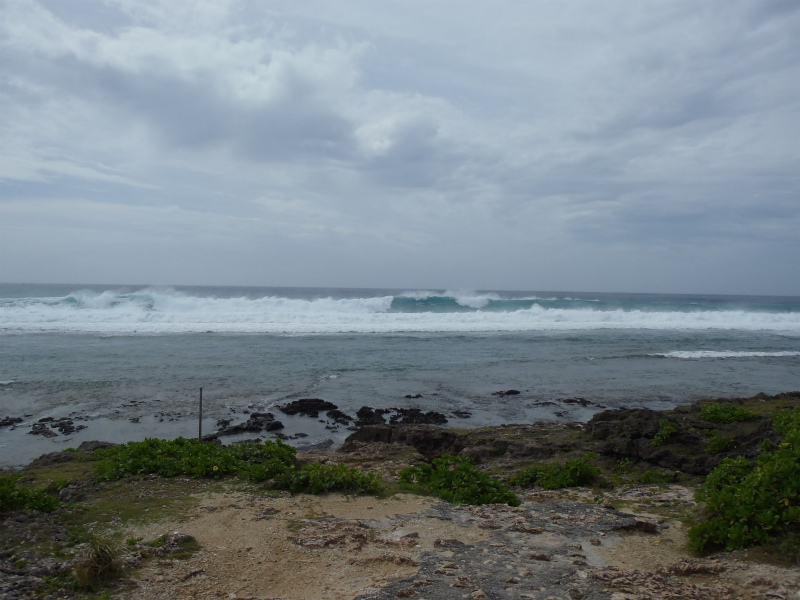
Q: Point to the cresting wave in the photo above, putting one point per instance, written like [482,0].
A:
[153,312]
[696,354]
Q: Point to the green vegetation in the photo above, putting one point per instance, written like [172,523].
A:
[579,471]
[786,420]
[16,498]
[101,564]
[667,428]
[750,505]
[653,476]
[315,478]
[726,413]
[718,444]
[170,458]
[272,461]
[456,480]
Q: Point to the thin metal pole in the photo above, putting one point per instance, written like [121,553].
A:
[200,424]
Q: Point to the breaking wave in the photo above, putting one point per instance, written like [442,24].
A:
[165,311]
[695,354]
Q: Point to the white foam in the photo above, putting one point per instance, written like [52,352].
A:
[694,354]
[471,299]
[159,311]
[418,295]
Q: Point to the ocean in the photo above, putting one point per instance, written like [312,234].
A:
[127,362]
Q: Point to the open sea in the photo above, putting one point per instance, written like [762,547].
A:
[127,362]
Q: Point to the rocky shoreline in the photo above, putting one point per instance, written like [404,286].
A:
[565,544]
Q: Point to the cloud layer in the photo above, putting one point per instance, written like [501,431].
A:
[612,146]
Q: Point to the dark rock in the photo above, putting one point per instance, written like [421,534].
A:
[95,445]
[247,441]
[51,459]
[323,445]
[223,423]
[370,416]
[255,423]
[46,420]
[630,433]
[134,419]
[339,417]
[414,416]
[506,393]
[413,396]
[581,401]
[9,421]
[67,427]
[431,442]
[42,429]
[309,407]
[462,414]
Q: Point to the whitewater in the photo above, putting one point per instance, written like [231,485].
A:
[170,311]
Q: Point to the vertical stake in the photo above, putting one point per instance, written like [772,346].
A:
[200,424]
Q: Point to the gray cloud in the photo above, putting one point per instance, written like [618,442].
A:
[481,145]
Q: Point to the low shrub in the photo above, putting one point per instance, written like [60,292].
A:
[579,471]
[271,461]
[455,479]
[749,505]
[667,428]
[624,466]
[786,420]
[170,458]
[726,413]
[316,478]
[18,498]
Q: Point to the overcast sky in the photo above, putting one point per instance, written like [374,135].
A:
[527,145]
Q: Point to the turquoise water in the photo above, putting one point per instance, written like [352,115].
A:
[116,353]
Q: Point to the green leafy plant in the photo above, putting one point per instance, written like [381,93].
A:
[579,471]
[17,498]
[455,479]
[726,413]
[786,420]
[272,462]
[170,458]
[667,428]
[749,505]
[623,466]
[316,478]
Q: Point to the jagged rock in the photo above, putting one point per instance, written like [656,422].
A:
[9,421]
[339,417]
[506,393]
[255,423]
[309,407]
[414,416]
[431,442]
[95,445]
[323,445]
[370,416]
[42,429]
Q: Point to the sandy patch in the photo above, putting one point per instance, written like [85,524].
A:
[295,547]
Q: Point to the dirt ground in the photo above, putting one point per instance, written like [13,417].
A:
[338,547]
